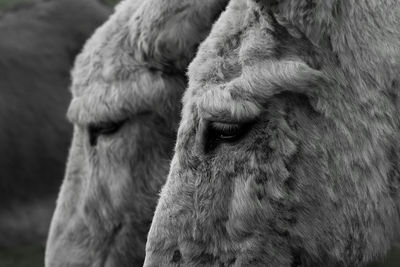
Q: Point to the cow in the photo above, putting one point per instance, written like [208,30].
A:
[127,85]
[38,43]
[288,149]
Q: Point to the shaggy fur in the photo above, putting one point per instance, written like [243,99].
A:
[314,181]
[38,43]
[131,74]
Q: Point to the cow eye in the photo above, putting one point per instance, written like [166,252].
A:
[103,128]
[223,132]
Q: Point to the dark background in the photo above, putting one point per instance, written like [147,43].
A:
[39,40]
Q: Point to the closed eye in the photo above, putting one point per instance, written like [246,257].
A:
[223,132]
[103,129]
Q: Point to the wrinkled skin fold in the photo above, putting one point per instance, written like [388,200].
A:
[314,180]
[127,85]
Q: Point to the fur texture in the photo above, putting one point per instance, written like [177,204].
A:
[315,179]
[131,74]
[38,43]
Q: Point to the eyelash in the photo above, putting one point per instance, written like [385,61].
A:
[103,128]
[221,132]
[225,131]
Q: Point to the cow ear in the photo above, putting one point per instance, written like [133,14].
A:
[314,18]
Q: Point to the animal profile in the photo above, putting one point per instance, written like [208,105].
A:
[287,152]
[127,85]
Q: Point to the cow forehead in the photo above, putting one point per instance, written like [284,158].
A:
[247,50]
[112,79]
[241,43]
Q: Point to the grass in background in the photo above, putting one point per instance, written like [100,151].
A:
[391,260]
[110,2]
[22,257]
[8,3]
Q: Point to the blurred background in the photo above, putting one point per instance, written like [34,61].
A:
[39,40]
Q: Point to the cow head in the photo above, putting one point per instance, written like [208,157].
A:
[127,86]
[287,152]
